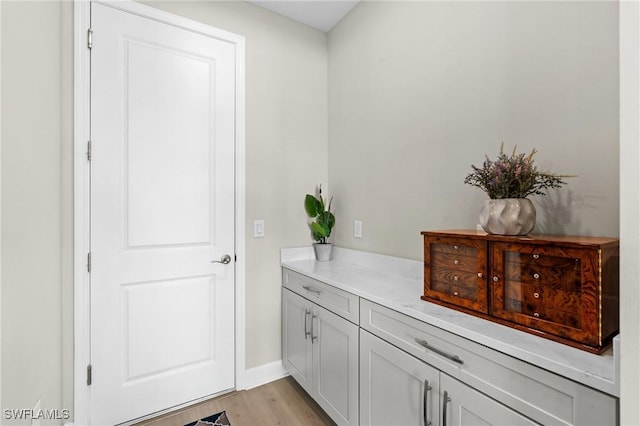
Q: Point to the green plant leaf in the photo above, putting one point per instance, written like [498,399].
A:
[312,205]
[327,220]
[319,231]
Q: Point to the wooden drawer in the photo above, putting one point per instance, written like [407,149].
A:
[536,393]
[454,271]
[335,300]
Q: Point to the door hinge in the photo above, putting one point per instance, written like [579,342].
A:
[90,38]
[89,151]
[89,262]
[89,375]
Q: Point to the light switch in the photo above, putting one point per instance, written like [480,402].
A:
[258,229]
[357,229]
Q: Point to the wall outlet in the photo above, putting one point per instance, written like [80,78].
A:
[357,229]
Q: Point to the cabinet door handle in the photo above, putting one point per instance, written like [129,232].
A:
[311,289]
[454,358]
[445,401]
[313,338]
[425,403]
[307,312]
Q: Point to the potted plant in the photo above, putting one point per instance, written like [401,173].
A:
[508,181]
[322,224]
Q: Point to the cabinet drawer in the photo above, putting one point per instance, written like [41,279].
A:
[337,301]
[536,393]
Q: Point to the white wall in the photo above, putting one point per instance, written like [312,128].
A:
[419,91]
[629,211]
[286,156]
[32,259]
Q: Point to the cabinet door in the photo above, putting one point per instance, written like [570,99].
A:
[553,289]
[335,365]
[455,272]
[464,406]
[395,388]
[296,338]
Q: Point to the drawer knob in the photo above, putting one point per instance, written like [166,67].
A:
[455,278]
[536,295]
[455,262]
[537,315]
[479,274]
[495,279]
[455,293]
[455,247]
[536,276]
[536,256]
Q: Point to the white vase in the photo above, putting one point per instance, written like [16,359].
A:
[323,251]
[508,216]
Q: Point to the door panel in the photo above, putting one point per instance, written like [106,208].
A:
[466,407]
[335,354]
[296,338]
[162,208]
[393,386]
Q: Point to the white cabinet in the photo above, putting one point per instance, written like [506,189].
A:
[398,389]
[320,351]
[488,378]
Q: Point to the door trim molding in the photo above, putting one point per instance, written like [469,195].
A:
[81,181]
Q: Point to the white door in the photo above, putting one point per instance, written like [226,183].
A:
[162,209]
[296,338]
[395,388]
[335,365]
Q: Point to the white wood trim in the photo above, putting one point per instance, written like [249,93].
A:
[82,356]
[81,228]
[629,211]
[264,374]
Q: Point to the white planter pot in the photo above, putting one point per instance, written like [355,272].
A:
[323,251]
[508,216]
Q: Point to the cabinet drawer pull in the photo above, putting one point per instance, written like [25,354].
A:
[455,278]
[455,262]
[536,295]
[425,403]
[445,402]
[455,293]
[537,315]
[454,358]
[455,247]
[313,338]
[536,276]
[479,274]
[307,312]
[495,279]
[536,256]
[311,289]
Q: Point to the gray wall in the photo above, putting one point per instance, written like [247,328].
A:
[419,91]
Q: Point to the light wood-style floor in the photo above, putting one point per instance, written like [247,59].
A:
[282,402]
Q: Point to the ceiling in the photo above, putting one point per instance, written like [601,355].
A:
[319,14]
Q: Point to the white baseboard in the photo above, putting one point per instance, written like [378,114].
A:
[264,374]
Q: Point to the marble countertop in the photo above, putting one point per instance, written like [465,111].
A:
[398,284]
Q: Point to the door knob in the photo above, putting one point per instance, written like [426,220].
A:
[224,259]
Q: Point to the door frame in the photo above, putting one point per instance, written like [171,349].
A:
[81,184]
